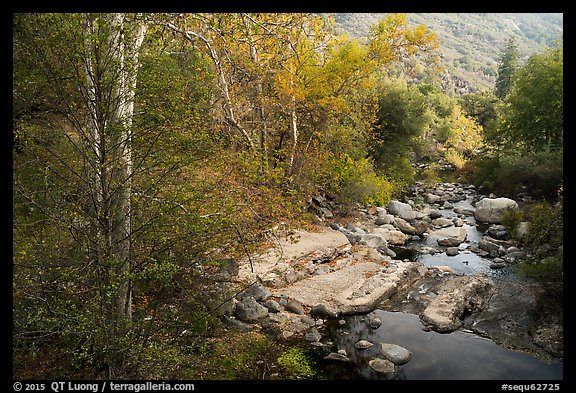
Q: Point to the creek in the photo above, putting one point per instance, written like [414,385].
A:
[460,355]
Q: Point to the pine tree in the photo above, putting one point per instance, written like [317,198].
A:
[507,64]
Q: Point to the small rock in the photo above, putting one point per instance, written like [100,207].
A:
[272,305]
[444,269]
[313,335]
[435,214]
[295,306]
[363,344]
[375,323]
[337,356]
[449,242]
[321,311]
[452,251]
[396,353]
[384,366]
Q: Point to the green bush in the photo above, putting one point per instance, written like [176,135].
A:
[540,173]
[352,180]
[543,243]
[296,363]
[546,224]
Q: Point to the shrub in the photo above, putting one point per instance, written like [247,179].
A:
[541,173]
[544,240]
[546,224]
[296,362]
[352,180]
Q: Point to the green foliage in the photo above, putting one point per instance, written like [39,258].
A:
[401,117]
[352,181]
[533,118]
[543,242]
[507,64]
[546,224]
[480,106]
[297,363]
[473,38]
[541,173]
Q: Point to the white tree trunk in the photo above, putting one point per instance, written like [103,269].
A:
[110,136]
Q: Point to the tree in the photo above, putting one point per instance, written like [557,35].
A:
[402,115]
[89,90]
[507,65]
[533,116]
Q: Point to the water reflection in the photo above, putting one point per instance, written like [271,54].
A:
[455,356]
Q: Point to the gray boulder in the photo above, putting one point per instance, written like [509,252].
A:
[250,310]
[490,210]
[402,210]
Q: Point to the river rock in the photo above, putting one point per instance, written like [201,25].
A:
[313,335]
[250,310]
[455,296]
[363,344]
[374,322]
[383,366]
[322,311]
[421,227]
[295,306]
[272,305]
[497,231]
[452,251]
[373,241]
[404,226]
[435,214]
[384,219]
[459,234]
[432,198]
[442,222]
[337,356]
[449,242]
[490,210]
[464,210]
[257,291]
[402,210]
[392,236]
[395,353]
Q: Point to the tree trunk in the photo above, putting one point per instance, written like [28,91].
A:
[110,90]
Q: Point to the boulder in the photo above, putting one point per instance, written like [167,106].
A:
[393,237]
[402,210]
[384,219]
[490,210]
[250,310]
[456,296]
[404,226]
[457,233]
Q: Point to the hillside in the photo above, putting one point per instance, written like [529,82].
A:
[471,43]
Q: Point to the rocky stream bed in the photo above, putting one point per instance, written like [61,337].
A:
[421,289]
